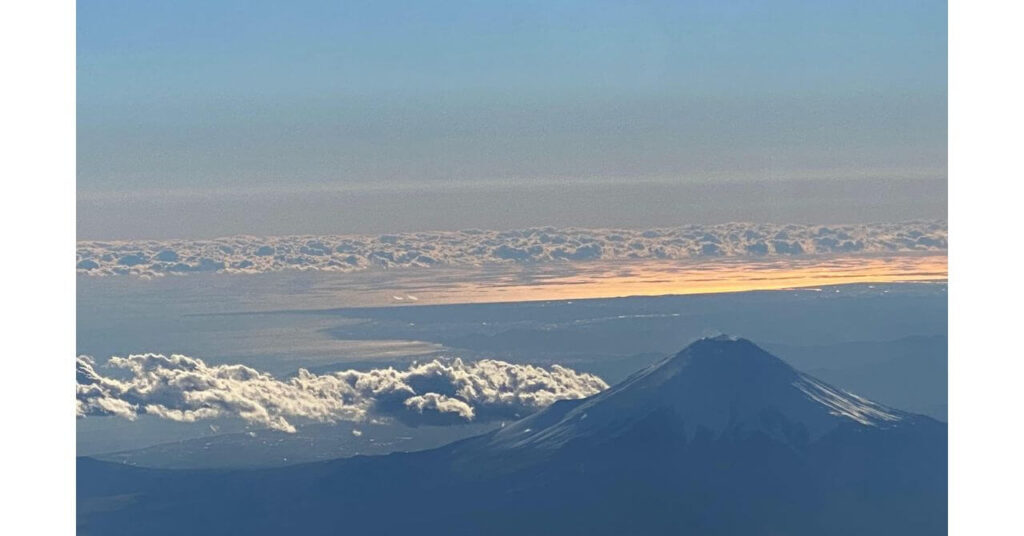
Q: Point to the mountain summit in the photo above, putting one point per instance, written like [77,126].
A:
[719,385]
[722,438]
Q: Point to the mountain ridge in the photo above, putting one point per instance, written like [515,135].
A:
[715,383]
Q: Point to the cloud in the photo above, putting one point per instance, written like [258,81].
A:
[182,388]
[348,253]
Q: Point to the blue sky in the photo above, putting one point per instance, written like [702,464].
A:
[181,95]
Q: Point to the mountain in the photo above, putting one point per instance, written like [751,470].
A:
[722,438]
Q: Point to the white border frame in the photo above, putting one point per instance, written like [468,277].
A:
[37,41]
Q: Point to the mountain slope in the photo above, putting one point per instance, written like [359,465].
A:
[718,384]
[723,438]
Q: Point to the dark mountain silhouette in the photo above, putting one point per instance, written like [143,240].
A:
[722,438]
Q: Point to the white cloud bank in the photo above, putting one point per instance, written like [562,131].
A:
[346,253]
[183,388]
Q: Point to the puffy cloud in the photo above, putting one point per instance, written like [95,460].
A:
[347,253]
[186,389]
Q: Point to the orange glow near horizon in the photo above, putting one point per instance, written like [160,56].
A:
[657,278]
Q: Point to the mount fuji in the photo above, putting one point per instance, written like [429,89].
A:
[723,438]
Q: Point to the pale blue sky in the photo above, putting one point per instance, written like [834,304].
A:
[241,96]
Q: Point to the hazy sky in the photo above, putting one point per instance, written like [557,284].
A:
[247,96]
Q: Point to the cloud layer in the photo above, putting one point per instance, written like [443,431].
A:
[346,253]
[186,389]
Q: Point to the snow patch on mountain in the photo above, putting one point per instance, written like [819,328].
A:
[844,404]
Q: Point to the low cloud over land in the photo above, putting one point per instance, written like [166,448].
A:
[347,253]
[440,391]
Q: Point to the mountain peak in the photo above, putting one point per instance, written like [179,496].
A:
[718,384]
[726,347]
[721,343]
[727,362]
